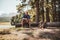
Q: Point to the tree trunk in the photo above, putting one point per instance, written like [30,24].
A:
[59,16]
[37,11]
[58,12]
[42,11]
[47,15]
[42,15]
[54,10]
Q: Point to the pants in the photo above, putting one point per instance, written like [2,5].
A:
[26,23]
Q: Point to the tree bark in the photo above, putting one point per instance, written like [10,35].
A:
[54,10]
[42,11]
[47,15]
[37,11]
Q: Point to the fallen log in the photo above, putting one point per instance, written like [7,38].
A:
[31,25]
[48,24]
[18,25]
[52,24]
[34,24]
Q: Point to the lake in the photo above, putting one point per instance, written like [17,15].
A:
[6,26]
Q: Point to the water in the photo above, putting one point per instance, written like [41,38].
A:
[6,26]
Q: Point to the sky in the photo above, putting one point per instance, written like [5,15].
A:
[8,6]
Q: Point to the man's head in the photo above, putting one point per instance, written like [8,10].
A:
[26,13]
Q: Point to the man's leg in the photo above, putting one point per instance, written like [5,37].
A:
[22,22]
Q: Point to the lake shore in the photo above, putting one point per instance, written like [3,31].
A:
[4,23]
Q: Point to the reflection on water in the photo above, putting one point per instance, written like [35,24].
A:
[6,26]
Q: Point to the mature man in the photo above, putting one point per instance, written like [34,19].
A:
[26,19]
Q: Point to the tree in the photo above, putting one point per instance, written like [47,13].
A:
[39,5]
[42,9]
[37,11]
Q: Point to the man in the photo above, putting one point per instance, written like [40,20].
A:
[26,19]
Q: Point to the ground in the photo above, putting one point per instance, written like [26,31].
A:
[4,23]
[30,34]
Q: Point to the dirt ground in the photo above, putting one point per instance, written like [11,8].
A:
[29,33]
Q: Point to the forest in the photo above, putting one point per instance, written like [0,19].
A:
[41,11]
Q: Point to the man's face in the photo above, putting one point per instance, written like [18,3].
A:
[26,13]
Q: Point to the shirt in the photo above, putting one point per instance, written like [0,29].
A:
[26,16]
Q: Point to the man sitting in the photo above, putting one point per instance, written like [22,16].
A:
[26,19]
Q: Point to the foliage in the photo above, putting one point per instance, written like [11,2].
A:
[44,9]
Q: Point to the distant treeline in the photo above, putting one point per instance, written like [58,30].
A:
[4,19]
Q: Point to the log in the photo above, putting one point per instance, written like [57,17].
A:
[34,24]
[31,25]
[52,24]
[18,25]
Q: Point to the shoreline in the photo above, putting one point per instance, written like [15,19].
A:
[4,23]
